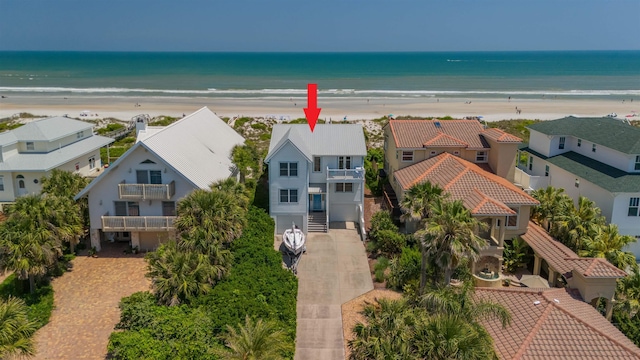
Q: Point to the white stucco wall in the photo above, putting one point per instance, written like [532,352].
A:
[288,153]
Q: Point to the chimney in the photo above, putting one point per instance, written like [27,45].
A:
[141,124]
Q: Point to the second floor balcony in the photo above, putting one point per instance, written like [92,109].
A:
[147,191]
[351,175]
[137,223]
[529,182]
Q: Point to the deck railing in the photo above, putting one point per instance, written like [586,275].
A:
[137,223]
[345,174]
[147,191]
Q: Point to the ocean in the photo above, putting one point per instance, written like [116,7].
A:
[562,74]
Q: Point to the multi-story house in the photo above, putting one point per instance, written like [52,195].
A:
[316,177]
[31,151]
[135,198]
[598,158]
[472,164]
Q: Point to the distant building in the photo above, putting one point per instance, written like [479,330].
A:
[598,158]
[31,151]
[316,178]
[135,198]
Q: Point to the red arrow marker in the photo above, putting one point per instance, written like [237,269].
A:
[312,111]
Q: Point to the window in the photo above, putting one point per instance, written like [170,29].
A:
[289,195]
[344,187]
[593,148]
[637,167]
[530,162]
[148,177]
[633,206]
[561,143]
[481,156]
[546,170]
[344,162]
[456,153]
[92,163]
[168,208]
[407,156]
[288,169]
[77,166]
[30,146]
[317,163]
[79,134]
[127,208]
[579,142]
[512,220]
[432,153]
[1,183]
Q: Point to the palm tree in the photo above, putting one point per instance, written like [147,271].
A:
[416,202]
[65,185]
[210,216]
[553,203]
[450,236]
[256,341]
[583,222]
[15,329]
[231,186]
[628,293]
[177,275]
[608,243]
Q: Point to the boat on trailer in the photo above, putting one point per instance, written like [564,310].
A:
[294,240]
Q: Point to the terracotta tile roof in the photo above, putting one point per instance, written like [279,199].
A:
[417,133]
[500,136]
[444,140]
[559,326]
[564,260]
[479,189]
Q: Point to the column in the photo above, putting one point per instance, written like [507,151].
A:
[552,278]
[503,227]
[537,262]
[95,239]
[609,308]
[135,239]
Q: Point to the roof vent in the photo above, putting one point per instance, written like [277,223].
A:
[556,301]
[537,302]
[437,124]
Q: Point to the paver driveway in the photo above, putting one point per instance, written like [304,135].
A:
[334,270]
[86,304]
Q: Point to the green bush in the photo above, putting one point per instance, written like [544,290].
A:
[241,121]
[381,220]
[382,263]
[405,268]
[40,303]
[265,136]
[259,126]
[379,275]
[390,242]
[109,128]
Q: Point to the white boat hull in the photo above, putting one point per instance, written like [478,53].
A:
[295,241]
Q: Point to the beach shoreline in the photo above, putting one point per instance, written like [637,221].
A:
[333,108]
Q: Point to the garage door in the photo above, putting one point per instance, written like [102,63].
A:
[284,222]
[343,213]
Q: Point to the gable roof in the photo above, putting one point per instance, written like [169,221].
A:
[564,260]
[49,129]
[198,147]
[605,131]
[605,176]
[325,140]
[553,324]
[442,133]
[482,192]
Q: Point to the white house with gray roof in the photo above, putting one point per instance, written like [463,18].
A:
[135,198]
[316,177]
[598,158]
[31,151]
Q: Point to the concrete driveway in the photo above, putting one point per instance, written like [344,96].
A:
[334,270]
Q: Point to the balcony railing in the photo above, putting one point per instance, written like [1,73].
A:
[147,191]
[137,223]
[528,182]
[345,174]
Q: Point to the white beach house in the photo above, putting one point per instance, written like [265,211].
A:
[316,177]
[31,151]
[135,198]
[598,158]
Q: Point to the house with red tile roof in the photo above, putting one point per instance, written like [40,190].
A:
[472,164]
[553,324]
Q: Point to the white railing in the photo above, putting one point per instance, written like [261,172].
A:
[363,233]
[147,191]
[139,223]
[345,174]
[526,181]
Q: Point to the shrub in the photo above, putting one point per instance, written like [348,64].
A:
[381,220]
[390,242]
[40,303]
[379,275]
[405,268]
[259,126]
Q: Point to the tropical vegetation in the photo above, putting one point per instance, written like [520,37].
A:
[16,329]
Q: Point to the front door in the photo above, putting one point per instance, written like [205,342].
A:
[317,202]
[22,189]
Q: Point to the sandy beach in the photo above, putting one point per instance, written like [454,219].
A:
[124,108]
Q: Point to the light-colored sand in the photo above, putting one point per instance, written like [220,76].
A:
[332,108]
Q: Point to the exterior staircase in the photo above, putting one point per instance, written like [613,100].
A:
[317,222]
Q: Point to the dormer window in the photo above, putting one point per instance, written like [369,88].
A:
[407,156]
[30,146]
[481,156]
[579,142]
[593,148]
[79,134]
[561,143]
[637,166]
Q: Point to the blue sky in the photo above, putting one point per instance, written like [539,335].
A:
[320,25]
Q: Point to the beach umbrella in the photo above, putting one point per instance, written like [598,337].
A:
[480,117]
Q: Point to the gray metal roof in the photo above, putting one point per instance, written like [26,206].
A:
[326,140]
[50,129]
[53,159]
[607,132]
